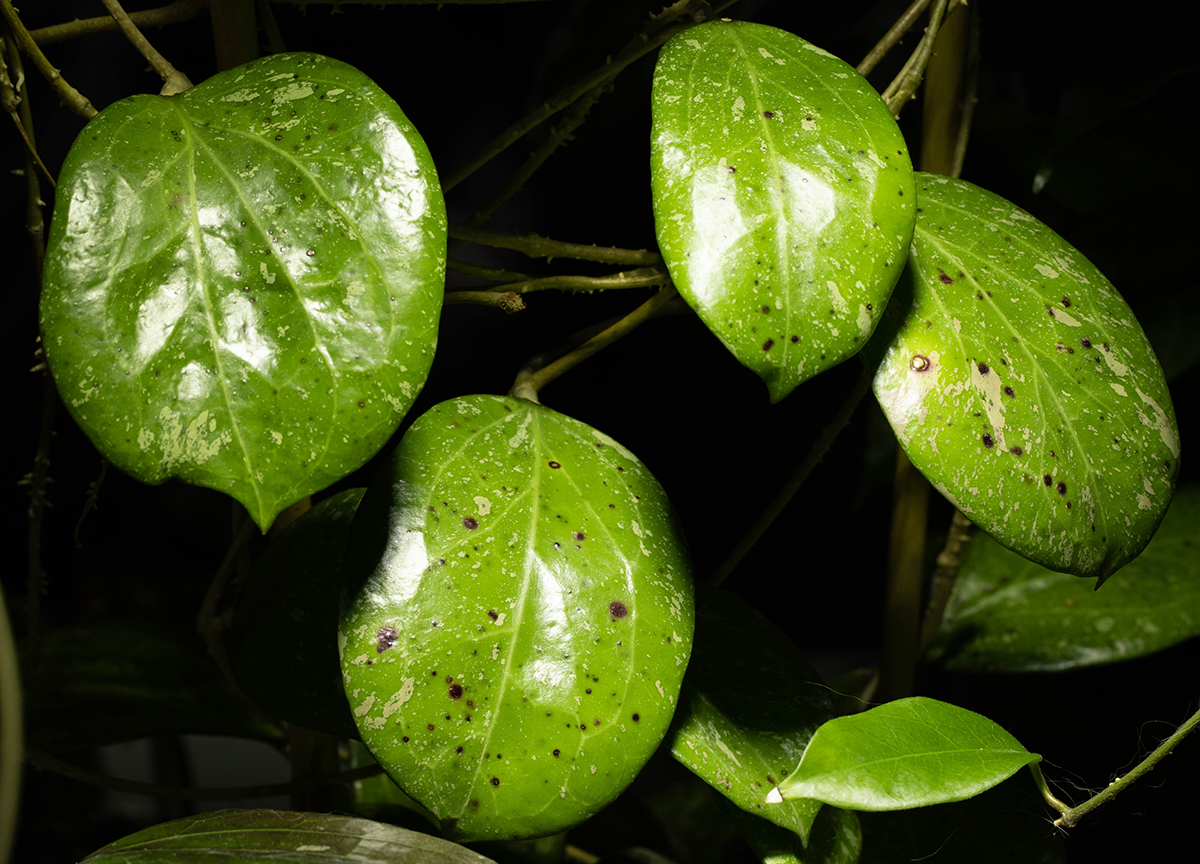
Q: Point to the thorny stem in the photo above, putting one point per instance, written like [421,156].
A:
[1071,815]
[675,18]
[534,246]
[534,376]
[948,562]
[173,13]
[174,81]
[905,84]
[72,98]
[179,793]
[11,735]
[815,454]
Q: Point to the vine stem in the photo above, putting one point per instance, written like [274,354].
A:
[174,81]
[815,454]
[179,793]
[534,376]
[948,562]
[535,246]
[72,98]
[647,277]
[904,87]
[903,24]
[658,30]
[11,735]
[1071,815]
[173,13]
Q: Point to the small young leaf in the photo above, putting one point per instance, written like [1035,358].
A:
[280,837]
[783,196]
[243,282]
[1018,381]
[750,704]
[283,643]
[1008,614]
[515,651]
[908,753]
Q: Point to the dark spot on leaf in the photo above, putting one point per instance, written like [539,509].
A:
[795,339]
[1047,479]
[943,278]
[471,523]
[455,691]
[983,369]
[987,440]
[495,781]
[492,614]
[1061,487]
[1008,391]
[769,344]
[385,638]
[1087,343]
[579,535]
[1016,451]
[1066,302]
[618,609]
[557,753]
[458,749]
[429,726]
[637,717]
[770,115]
[555,464]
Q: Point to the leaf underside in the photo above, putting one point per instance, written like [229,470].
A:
[243,282]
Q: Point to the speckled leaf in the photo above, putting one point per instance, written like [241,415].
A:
[1010,615]
[283,643]
[280,837]
[750,704]
[908,753]
[783,196]
[516,648]
[243,282]
[1020,384]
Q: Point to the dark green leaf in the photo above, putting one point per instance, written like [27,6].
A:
[836,838]
[783,196]
[516,649]
[283,644]
[750,704]
[908,753]
[1020,384]
[280,837]
[243,282]
[1008,614]
[115,681]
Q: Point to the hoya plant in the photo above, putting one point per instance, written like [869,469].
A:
[527,500]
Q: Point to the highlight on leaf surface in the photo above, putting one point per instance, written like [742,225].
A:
[908,753]
[243,282]
[783,196]
[518,620]
[1019,382]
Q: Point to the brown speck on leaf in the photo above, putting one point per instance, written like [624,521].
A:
[1061,487]
[385,638]
[769,344]
[470,523]
[495,781]
[987,440]
[554,464]
[617,609]
[455,691]
[1047,479]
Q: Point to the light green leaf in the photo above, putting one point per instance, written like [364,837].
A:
[908,753]
[283,643]
[1010,615]
[515,651]
[750,704]
[280,837]
[243,282]
[783,196]
[1018,381]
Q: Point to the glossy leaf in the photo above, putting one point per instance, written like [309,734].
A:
[1020,384]
[1010,615]
[836,838]
[105,683]
[280,837]
[283,644]
[783,196]
[379,798]
[750,704]
[243,282]
[516,648]
[909,753]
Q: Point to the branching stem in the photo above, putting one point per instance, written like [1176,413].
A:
[174,81]
[173,13]
[535,246]
[72,98]
[905,84]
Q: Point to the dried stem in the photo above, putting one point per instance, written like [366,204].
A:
[534,376]
[173,13]
[174,81]
[948,562]
[815,454]
[535,246]
[72,98]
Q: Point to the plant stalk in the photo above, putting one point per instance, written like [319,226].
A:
[534,246]
[174,81]
[12,735]
[173,13]
[68,95]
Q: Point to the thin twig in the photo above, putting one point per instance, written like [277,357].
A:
[1071,816]
[174,81]
[645,277]
[893,35]
[948,562]
[180,793]
[675,18]
[509,301]
[535,246]
[12,734]
[173,13]
[905,84]
[533,377]
[72,98]
[967,111]
[815,454]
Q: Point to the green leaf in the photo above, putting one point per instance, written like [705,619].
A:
[783,196]
[381,799]
[1010,615]
[750,704]
[1018,381]
[243,282]
[525,616]
[908,753]
[280,837]
[114,681]
[283,643]
[836,838]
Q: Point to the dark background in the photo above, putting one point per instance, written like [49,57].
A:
[1099,106]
